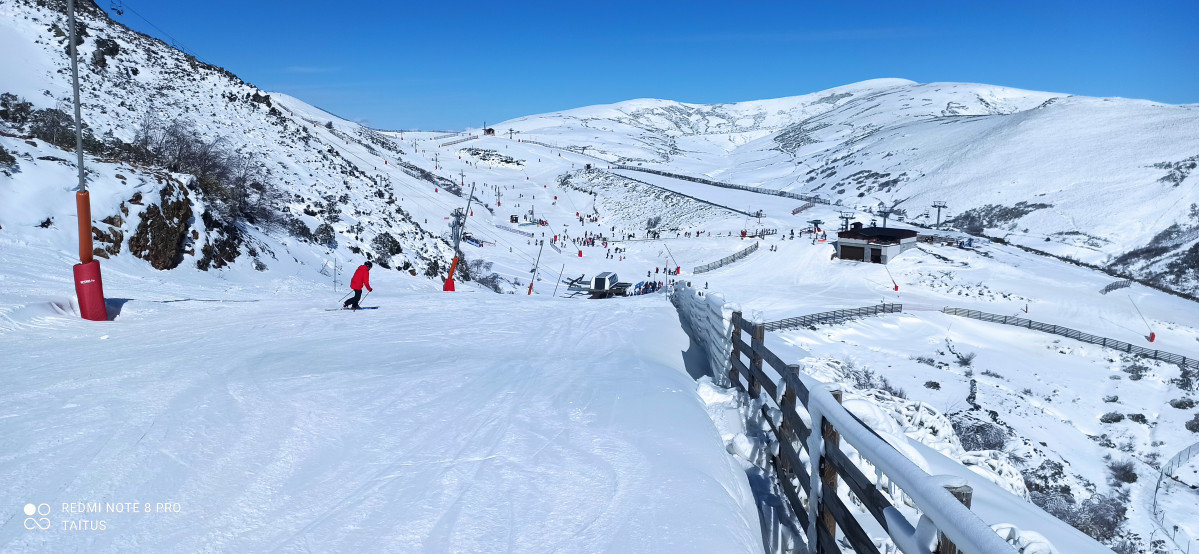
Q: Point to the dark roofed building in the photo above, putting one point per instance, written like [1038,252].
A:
[874,244]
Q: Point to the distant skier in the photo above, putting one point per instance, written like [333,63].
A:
[362,278]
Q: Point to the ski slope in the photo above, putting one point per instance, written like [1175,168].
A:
[467,422]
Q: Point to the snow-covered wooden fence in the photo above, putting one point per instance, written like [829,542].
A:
[701,180]
[835,316]
[1117,285]
[802,208]
[808,465]
[726,260]
[1076,335]
[511,230]
[446,136]
[677,193]
[459,141]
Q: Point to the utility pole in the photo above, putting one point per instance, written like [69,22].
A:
[510,131]
[460,224]
[436,156]
[462,176]
[537,265]
[938,205]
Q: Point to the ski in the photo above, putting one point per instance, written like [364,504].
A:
[350,309]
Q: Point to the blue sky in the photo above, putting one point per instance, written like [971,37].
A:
[451,65]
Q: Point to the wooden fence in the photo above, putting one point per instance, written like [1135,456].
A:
[942,502]
[835,316]
[1076,335]
[726,260]
[1117,285]
[701,180]
[677,193]
[458,141]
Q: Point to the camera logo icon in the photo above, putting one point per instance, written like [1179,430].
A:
[37,519]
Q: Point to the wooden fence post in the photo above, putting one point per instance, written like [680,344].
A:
[828,480]
[963,492]
[736,355]
[755,364]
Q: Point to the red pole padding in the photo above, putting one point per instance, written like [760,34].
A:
[1152,336]
[90,291]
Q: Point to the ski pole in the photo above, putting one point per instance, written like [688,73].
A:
[344,297]
[368,293]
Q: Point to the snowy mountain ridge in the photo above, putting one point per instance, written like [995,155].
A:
[1105,181]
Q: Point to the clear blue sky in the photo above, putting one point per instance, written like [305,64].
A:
[450,65]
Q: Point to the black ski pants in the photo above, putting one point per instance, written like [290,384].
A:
[353,302]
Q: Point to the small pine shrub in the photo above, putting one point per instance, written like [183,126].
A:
[964,360]
[990,373]
[1112,417]
[1139,418]
[1193,424]
[1123,471]
[932,385]
[1111,398]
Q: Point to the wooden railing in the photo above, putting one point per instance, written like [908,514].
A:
[835,316]
[943,502]
[726,260]
[1076,335]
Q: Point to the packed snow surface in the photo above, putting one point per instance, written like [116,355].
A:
[464,422]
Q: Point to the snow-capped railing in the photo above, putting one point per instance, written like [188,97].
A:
[802,208]
[835,316]
[726,260]
[1179,537]
[1076,335]
[794,404]
[946,525]
[707,318]
[446,136]
[759,190]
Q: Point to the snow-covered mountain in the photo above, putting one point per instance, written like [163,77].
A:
[228,216]
[1104,181]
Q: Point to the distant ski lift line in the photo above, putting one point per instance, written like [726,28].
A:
[120,6]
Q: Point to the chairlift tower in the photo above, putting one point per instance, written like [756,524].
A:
[458,224]
[436,157]
[510,131]
[884,212]
[846,217]
[938,205]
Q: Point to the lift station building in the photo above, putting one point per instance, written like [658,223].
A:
[874,244]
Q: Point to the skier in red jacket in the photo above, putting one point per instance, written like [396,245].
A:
[362,278]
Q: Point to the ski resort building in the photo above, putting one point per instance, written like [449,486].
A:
[874,244]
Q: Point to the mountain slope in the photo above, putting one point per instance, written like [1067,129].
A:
[1105,181]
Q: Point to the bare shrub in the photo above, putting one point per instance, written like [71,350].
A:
[1123,471]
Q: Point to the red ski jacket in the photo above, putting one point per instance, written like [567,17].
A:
[362,278]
